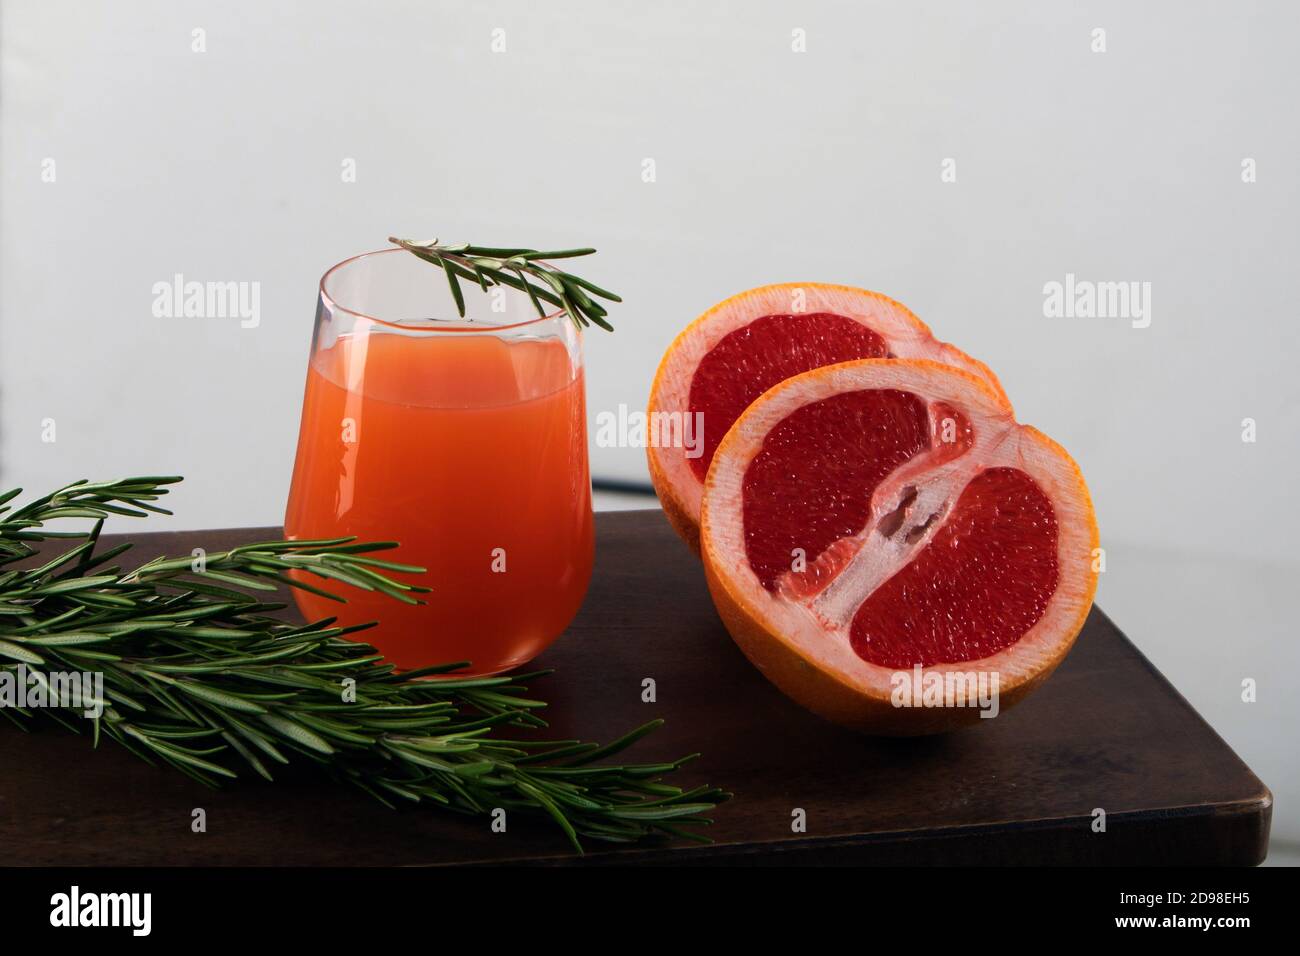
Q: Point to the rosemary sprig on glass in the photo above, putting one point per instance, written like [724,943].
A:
[487,266]
[198,677]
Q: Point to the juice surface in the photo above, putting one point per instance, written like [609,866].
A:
[471,451]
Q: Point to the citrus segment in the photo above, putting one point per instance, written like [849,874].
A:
[811,483]
[981,583]
[749,360]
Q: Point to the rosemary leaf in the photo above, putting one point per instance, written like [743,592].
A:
[191,656]
[490,266]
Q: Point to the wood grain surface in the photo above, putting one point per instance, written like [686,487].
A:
[1106,731]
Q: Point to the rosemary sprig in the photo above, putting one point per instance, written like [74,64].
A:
[488,266]
[198,677]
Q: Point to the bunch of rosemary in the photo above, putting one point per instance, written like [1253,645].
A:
[516,268]
[198,676]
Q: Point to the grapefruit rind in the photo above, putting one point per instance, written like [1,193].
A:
[792,645]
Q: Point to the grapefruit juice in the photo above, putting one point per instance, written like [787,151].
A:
[470,450]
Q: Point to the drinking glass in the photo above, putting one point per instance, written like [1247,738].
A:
[465,440]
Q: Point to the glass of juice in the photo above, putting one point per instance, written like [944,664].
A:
[465,440]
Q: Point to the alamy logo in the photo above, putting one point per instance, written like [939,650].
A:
[75,908]
[179,299]
[921,688]
[1085,299]
[636,429]
[23,687]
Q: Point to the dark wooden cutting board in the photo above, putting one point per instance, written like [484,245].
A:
[1106,731]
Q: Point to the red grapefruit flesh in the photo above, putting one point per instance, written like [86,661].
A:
[755,340]
[748,361]
[983,580]
[878,519]
[797,496]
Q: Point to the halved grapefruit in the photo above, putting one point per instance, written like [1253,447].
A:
[742,347]
[876,529]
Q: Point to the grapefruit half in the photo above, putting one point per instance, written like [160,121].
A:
[741,347]
[876,529]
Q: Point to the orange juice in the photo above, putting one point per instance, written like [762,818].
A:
[470,451]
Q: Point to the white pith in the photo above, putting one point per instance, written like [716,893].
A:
[904,334]
[817,627]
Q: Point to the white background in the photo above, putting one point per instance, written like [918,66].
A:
[771,166]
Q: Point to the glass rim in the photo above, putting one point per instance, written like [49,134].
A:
[409,326]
